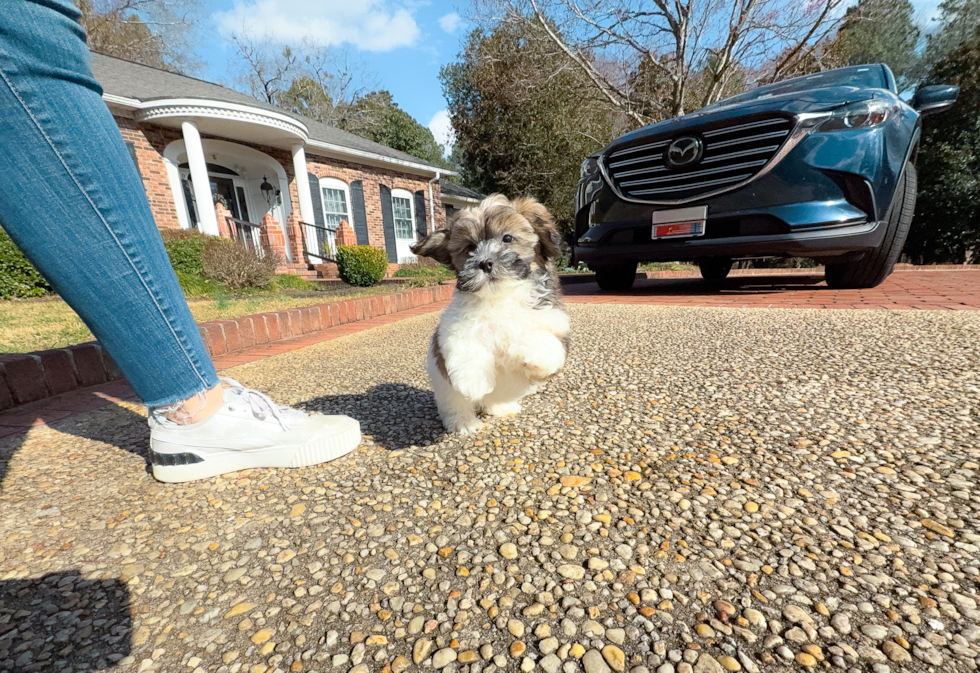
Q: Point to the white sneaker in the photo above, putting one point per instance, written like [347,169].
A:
[249,430]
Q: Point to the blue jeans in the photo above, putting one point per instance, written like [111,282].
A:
[72,201]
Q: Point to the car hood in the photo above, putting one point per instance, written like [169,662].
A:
[797,102]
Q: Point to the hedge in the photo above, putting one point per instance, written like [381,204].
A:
[18,277]
[361,265]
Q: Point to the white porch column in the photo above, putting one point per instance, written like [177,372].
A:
[302,184]
[203,201]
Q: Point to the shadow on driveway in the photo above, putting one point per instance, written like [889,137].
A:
[396,415]
[62,622]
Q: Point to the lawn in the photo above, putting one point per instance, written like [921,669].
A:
[37,324]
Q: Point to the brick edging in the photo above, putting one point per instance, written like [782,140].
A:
[29,377]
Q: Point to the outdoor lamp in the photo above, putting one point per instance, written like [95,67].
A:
[268,191]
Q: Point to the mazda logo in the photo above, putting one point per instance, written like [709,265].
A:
[684,151]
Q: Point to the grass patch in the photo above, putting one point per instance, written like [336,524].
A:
[37,324]
[438,272]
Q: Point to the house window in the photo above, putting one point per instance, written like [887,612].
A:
[336,202]
[401,207]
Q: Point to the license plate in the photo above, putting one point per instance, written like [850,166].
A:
[679,223]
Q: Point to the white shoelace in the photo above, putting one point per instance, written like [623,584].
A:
[260,403]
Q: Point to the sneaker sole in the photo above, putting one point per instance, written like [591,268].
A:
[303,455]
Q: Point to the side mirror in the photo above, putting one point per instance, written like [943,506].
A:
[934,98]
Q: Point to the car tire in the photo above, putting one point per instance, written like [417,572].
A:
[877,265]
[616,278]
[715,269]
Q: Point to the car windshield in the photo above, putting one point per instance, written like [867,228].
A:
[869,76]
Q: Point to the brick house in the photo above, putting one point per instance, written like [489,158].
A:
[228,164]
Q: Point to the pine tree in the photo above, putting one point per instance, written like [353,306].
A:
[880,31]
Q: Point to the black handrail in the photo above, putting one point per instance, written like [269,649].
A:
[241,230]
[332,230]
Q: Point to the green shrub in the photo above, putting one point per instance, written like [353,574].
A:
[196,286]
[287,281]
[237,265]
[18,277]
[432,272]
[185,247]
[361,265]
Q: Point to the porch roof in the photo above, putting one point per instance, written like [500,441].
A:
[144,88]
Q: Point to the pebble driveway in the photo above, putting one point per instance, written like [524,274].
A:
[700,491]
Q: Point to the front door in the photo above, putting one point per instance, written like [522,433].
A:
[232,190]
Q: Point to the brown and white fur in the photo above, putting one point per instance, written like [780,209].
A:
[505,330]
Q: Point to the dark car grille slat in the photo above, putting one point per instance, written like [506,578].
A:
[748,139]
[709,183]
[734,152]
[696,174]
[768,149]
[640,148]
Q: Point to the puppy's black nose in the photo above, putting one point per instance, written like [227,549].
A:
[486,265]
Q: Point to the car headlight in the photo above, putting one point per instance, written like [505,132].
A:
[862,115]
[589,167]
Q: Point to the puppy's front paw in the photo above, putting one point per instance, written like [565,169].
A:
[464,425]
[503,409]
[543,365]
[473,388]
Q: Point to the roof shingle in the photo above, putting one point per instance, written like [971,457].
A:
[145,83]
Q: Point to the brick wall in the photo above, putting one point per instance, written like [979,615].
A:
[372,178]
[149,143]
[151,140]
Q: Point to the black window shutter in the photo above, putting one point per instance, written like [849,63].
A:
[358,212]
[388,220]
[316,197]
[132,155]
[420,214]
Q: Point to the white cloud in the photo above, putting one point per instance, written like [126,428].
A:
[370,25]
[450,22]
[442,129]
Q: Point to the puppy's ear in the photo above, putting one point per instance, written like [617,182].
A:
[549,246]
[436,246]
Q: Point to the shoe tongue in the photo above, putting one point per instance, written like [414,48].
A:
[290,415]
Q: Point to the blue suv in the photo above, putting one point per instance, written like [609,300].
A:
[820,166]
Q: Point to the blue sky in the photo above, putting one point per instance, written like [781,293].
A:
[402,42]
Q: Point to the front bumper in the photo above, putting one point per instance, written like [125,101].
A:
[825,242]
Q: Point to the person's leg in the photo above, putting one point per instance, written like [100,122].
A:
[72,200]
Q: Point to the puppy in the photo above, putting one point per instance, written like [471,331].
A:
[505,330]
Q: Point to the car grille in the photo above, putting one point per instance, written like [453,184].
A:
[734,152]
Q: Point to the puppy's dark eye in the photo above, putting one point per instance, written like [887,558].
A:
[507,238]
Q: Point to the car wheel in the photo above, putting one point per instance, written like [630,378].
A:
[715,268]
[876,266]
[616,277]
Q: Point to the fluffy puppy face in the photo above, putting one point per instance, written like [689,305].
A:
[499,242]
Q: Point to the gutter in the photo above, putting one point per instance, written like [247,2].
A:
[432,203]
[135,104]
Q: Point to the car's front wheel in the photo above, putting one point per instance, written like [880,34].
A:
[616,278]
[876,266]
[715,269]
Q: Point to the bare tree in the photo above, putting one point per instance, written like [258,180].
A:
[152,32]
[696,51]
[268,69]
[314,80]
